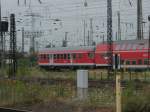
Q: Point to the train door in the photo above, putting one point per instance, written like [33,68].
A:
[71,59]
[116,61]
[50,59]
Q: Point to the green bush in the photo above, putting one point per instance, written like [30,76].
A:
[137,104]
[136,100]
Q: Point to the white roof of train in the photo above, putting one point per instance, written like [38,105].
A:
[68,48]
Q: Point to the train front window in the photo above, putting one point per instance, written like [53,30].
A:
[91,55]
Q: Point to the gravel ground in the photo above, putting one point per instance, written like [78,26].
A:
[62,107]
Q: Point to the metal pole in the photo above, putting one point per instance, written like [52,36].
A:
[0,19]
[66,39]
[119,27]
[91,32]
[13,47]
[0,36]
[109,36]
[149,45]
[103,38]
[2,44]
[88,39]
[84,35]
[22,40]
[139,20]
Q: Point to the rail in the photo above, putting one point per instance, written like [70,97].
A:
[12,110]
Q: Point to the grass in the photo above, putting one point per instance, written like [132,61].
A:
[136,100]
[17,92]
[25,69]
[14,92]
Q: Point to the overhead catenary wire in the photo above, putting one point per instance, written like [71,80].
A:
[75,8]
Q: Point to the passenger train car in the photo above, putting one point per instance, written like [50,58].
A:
[126,53]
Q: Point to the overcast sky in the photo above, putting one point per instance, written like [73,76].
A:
[72,13]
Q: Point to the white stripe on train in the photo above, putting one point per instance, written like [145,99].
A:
[92,64]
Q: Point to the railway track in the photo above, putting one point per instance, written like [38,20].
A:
[92,83]
[12,110]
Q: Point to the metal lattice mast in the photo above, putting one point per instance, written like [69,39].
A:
[149,45]
[0,21]
[139,20]
[22,40]
[84,34]
[119,26]
[109,35]
[91,31]
[2,43]
[13,47]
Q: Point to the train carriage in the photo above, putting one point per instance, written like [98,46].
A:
[127,53]
[131,54]
[67,57]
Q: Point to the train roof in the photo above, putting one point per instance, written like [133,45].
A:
[68,49]
[125,45]
[132,41]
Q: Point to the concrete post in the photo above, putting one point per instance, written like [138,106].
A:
[82,84]
[118,93]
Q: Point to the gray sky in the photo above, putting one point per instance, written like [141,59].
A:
[72,13]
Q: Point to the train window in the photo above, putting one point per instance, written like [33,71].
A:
[91,55]
[140,62]
[47,56]
[133,62]
[65,56]
[127,62]
[80,55]
[128,47]
[61,56]
[50,56]
[74,56]
[55,56]
[122,62]
[134,47]
[68,56]
[145,61]
[44,56]
[40,56]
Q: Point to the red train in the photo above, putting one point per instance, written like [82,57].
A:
[126,53]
